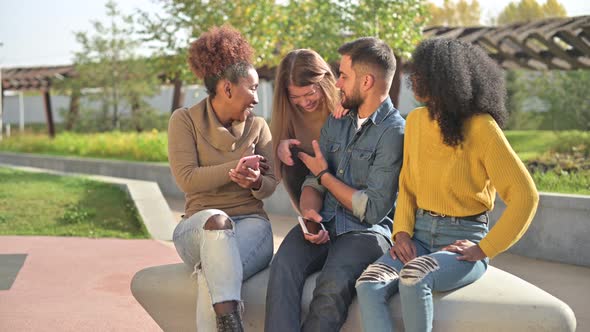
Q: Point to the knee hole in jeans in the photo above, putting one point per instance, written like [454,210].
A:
[377,272]
[217,222]
[418,268]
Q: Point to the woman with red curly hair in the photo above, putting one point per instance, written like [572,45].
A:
[225,235]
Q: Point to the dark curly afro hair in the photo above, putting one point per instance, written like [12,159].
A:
[458,80]
[221,52]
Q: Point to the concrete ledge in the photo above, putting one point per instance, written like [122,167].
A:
[151,205]
[498,301]
[559,232]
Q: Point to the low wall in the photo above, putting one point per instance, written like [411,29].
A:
[559,232]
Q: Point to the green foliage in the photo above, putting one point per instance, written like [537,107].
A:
[313,24]
[530,144]
[108,62]
[529,10]
[455,13]
[44,204]
[274,29]
[551,100]
[170,31]
[399,23]
[147,146]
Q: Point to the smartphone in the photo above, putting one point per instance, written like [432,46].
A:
[310,227]
[252,162]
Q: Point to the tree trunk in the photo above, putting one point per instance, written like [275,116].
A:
[396,84]
[74,112]
[177,96]
[48,113]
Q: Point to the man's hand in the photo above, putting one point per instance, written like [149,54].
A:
[404,248]
[251,180]
[314,164]
[284,151]
[468,250]
[322,236]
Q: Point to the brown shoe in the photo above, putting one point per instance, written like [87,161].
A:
[231,322]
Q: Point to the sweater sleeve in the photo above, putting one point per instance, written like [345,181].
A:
[405,211]
[264,147]
[516,188]
[184,159]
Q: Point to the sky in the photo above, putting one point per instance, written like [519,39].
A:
[41,32]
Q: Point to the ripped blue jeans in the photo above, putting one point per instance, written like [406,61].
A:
[432,270]
[222,259]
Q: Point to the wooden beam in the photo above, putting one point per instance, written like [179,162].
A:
[48,113]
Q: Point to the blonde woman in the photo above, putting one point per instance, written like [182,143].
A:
[305,95]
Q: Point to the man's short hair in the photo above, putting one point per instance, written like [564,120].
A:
[372,53]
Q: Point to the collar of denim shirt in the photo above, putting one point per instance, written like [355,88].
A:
[379,115]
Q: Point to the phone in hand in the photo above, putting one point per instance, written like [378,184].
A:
[310,227]
[252,162]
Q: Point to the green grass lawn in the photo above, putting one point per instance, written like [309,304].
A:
[146,146]
[153,146]
[44,204]
[574,183]
[530,144]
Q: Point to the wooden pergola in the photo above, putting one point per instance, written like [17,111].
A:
[548,44]
[39,79]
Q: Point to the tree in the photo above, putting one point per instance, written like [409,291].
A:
[528,10]
[460,13]
[108,61]
[274,29]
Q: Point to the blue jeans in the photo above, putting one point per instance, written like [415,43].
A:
[341,261]
[432,270]
[222,259]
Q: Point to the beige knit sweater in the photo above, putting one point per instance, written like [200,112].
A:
[201,152]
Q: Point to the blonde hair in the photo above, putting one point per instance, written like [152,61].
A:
[301,67]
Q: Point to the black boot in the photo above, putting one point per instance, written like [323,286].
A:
[231,322]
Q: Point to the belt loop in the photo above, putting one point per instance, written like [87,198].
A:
[454,220]
[420,212]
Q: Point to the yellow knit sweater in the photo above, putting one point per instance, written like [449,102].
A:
[462,181]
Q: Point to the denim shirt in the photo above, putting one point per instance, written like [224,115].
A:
[369,160]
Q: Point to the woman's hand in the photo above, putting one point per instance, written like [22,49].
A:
[322,236]
[314,164]
[284,151]
[468,250]
[404,248]
[247,178]
[339,111]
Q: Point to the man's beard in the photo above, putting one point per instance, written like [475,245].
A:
[352,102]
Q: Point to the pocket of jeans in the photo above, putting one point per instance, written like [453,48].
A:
[470,230]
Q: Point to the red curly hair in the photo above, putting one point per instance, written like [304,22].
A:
[216,50]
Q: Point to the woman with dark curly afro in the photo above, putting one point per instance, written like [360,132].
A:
[221,158]
[455,159]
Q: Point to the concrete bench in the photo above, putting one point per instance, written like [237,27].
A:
[498,301]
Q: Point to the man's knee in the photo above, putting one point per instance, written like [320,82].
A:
[334,282]
[217,222]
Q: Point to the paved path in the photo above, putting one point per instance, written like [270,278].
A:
[78,284]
